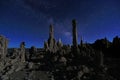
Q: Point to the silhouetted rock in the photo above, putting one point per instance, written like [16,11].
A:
[74,33]
[3,47]
[57,61]
[52,45]
[22,52]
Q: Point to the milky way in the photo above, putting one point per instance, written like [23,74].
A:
[29,20]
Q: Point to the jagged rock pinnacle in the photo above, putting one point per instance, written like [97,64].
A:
[74,33]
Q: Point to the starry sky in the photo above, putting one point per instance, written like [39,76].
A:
[29,20]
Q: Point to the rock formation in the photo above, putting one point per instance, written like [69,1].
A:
[59,43]
[3,47]
[22,51]
[75,45]
[75,48]
[51,45]
[64,62]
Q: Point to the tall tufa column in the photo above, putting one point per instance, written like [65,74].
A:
[3,47]
[52,45]
[81,42]
[51,32]
[22,51]
[74,30]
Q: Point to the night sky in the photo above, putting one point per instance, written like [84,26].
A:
[29,20]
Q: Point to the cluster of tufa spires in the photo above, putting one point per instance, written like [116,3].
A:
[78,59]
[53,46]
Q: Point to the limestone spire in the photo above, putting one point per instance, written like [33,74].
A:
[59,40]
[22,51]
[3,46]
[59,43]
[74,33]
[51,31]
[81,42]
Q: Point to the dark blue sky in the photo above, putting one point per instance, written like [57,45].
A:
[29,20]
